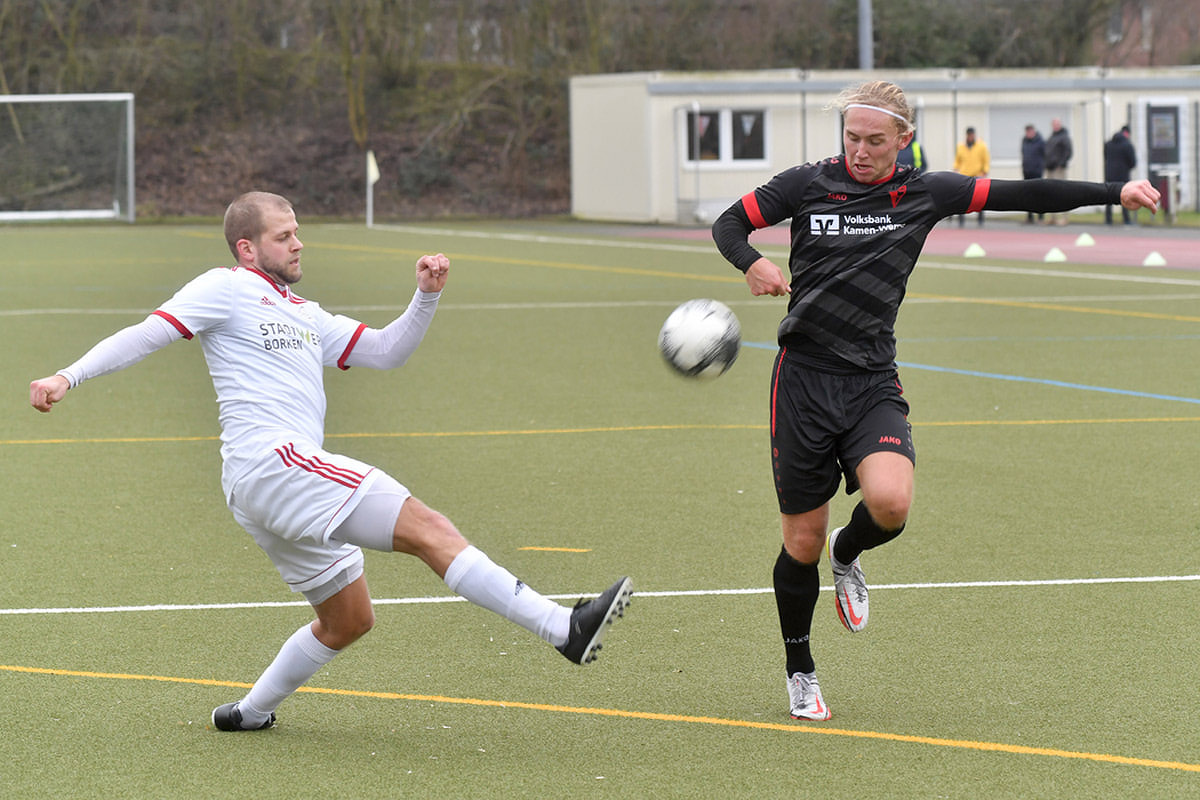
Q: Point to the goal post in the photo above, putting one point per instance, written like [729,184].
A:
[66,156]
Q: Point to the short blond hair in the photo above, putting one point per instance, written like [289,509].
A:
[878,94]
[244,217]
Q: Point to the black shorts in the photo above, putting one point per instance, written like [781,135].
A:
[823,425]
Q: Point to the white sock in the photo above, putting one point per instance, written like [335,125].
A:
[476,577]
[298,660]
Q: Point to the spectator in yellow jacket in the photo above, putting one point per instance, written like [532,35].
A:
[973,159]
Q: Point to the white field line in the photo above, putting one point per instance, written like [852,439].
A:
[571,597]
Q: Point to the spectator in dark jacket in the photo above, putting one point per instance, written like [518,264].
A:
[1119,161]
[1058,155]
[1033,160]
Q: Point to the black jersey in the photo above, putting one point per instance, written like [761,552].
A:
[853,247]
[855,244]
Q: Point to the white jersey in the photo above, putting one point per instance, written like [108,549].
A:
[266,350]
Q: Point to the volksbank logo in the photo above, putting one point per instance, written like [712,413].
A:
[825,224]
[851,224]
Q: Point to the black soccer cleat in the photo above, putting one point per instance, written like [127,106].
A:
[590,620]
[229,718]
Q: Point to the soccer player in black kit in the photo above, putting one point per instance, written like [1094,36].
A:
[858,223]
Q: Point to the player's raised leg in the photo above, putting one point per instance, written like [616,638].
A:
[410,526]
[576,633]
[887,488]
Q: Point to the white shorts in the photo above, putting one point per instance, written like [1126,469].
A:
[293,500]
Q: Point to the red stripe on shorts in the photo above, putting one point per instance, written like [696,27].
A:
[346,477]
[775,389]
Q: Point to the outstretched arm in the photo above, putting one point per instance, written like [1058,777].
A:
[390,347]
[45,392]
[1049,195]
[432,272]
[1140,194]
[124,348]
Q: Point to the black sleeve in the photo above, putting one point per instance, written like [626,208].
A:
[769,204]
[1044,195]
[731,233]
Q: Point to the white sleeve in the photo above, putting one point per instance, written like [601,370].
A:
[124,348]
[385,348]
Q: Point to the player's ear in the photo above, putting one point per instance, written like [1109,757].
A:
[245,250]
[905,138]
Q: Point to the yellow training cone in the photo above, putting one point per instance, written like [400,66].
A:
[1155,259]
[1085,240]
[974,251]
[1055,255]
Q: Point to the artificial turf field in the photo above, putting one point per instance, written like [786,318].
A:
[1033,633]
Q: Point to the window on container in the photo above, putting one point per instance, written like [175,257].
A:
[748,135]
[704,134]
[726,136]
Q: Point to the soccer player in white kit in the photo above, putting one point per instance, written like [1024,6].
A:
[311,510]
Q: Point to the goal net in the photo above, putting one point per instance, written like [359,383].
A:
[66,156]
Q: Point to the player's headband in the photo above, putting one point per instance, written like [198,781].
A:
[877,108]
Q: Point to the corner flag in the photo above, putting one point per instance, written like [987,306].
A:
[372,177]
[372,168]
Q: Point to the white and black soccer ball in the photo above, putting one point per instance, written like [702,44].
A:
[700,339]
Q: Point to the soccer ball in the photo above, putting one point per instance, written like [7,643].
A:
[700,339]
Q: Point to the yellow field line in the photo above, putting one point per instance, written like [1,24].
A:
[529,262]
[1057,307]
[549,431]
[397,434]
[647,273]
[964,744]
[557,549]
[599,429]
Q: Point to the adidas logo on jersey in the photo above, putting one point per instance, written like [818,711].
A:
[266,301]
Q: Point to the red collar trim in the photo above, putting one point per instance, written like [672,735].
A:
[284,291]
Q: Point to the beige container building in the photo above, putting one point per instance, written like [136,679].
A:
[669,147]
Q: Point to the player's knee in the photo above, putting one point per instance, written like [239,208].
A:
[890,512]
[420,529]
[435,526]
[345,631]
[364,624]
[804,544]
[356,629]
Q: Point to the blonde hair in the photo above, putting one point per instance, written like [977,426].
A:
[882,95]
[244,217]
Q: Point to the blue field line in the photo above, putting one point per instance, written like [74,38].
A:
[1023,379]
[1046,382]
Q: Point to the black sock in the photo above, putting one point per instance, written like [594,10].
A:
[861,533]
[797,587]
